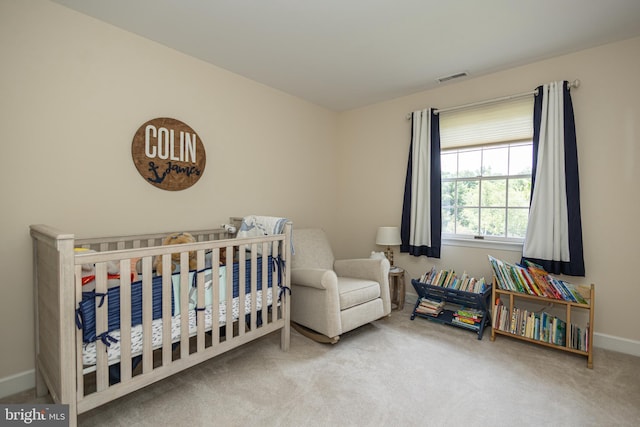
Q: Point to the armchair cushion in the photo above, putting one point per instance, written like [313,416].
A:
[356,291]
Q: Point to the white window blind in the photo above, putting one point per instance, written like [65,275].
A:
[502,121]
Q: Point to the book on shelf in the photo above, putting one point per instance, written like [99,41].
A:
[532,279]
[449,279]
[468,317]
[579,337]
[539,326]
[430,307]
[501,318]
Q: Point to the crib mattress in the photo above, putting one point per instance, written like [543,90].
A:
[113,349]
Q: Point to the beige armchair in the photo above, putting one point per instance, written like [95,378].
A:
[330,297]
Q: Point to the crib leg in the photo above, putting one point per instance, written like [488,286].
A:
[41,387]
[285,334]
[285,337]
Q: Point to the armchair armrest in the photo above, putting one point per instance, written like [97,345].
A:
[314,278]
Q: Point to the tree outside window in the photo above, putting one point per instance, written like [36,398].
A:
[486,190]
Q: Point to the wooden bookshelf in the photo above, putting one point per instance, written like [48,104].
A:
[509,300]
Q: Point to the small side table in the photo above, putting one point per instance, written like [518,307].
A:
[396,288]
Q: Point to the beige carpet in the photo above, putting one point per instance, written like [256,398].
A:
[393,372]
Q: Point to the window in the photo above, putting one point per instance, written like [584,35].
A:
[486,190]
[486,161]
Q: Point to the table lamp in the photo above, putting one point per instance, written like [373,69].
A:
[388,236]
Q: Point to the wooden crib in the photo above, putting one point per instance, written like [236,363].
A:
[219,308]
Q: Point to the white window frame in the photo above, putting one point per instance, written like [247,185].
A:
[510,242]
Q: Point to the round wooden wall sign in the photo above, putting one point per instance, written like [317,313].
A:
[168,154]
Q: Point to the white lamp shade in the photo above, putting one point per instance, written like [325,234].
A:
[388,236]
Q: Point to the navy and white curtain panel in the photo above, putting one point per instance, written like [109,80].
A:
[421,215]
[554,233]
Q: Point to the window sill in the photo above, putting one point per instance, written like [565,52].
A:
[482,243]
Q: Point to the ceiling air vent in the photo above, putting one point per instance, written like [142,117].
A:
[453,76]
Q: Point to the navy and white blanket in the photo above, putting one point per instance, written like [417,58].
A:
[254,226]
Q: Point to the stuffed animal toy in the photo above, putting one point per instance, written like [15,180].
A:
[176,239]
[113,272]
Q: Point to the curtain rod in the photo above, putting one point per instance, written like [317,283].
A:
[573,84]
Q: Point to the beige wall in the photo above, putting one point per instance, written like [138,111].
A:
[374,143]
[73,93]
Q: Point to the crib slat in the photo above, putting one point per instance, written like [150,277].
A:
[265,282]
[185,288]
[102,326]
[242,279]
[254,286]
[200,303]
[125,320]
[275,254]
[79,362]
[228,326]
[166,307]
[215,299]
[285,305]
[147,316]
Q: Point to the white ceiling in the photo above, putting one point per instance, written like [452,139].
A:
[344,54]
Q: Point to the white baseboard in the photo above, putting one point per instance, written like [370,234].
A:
[621,345]
[608,342]
[17,383]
